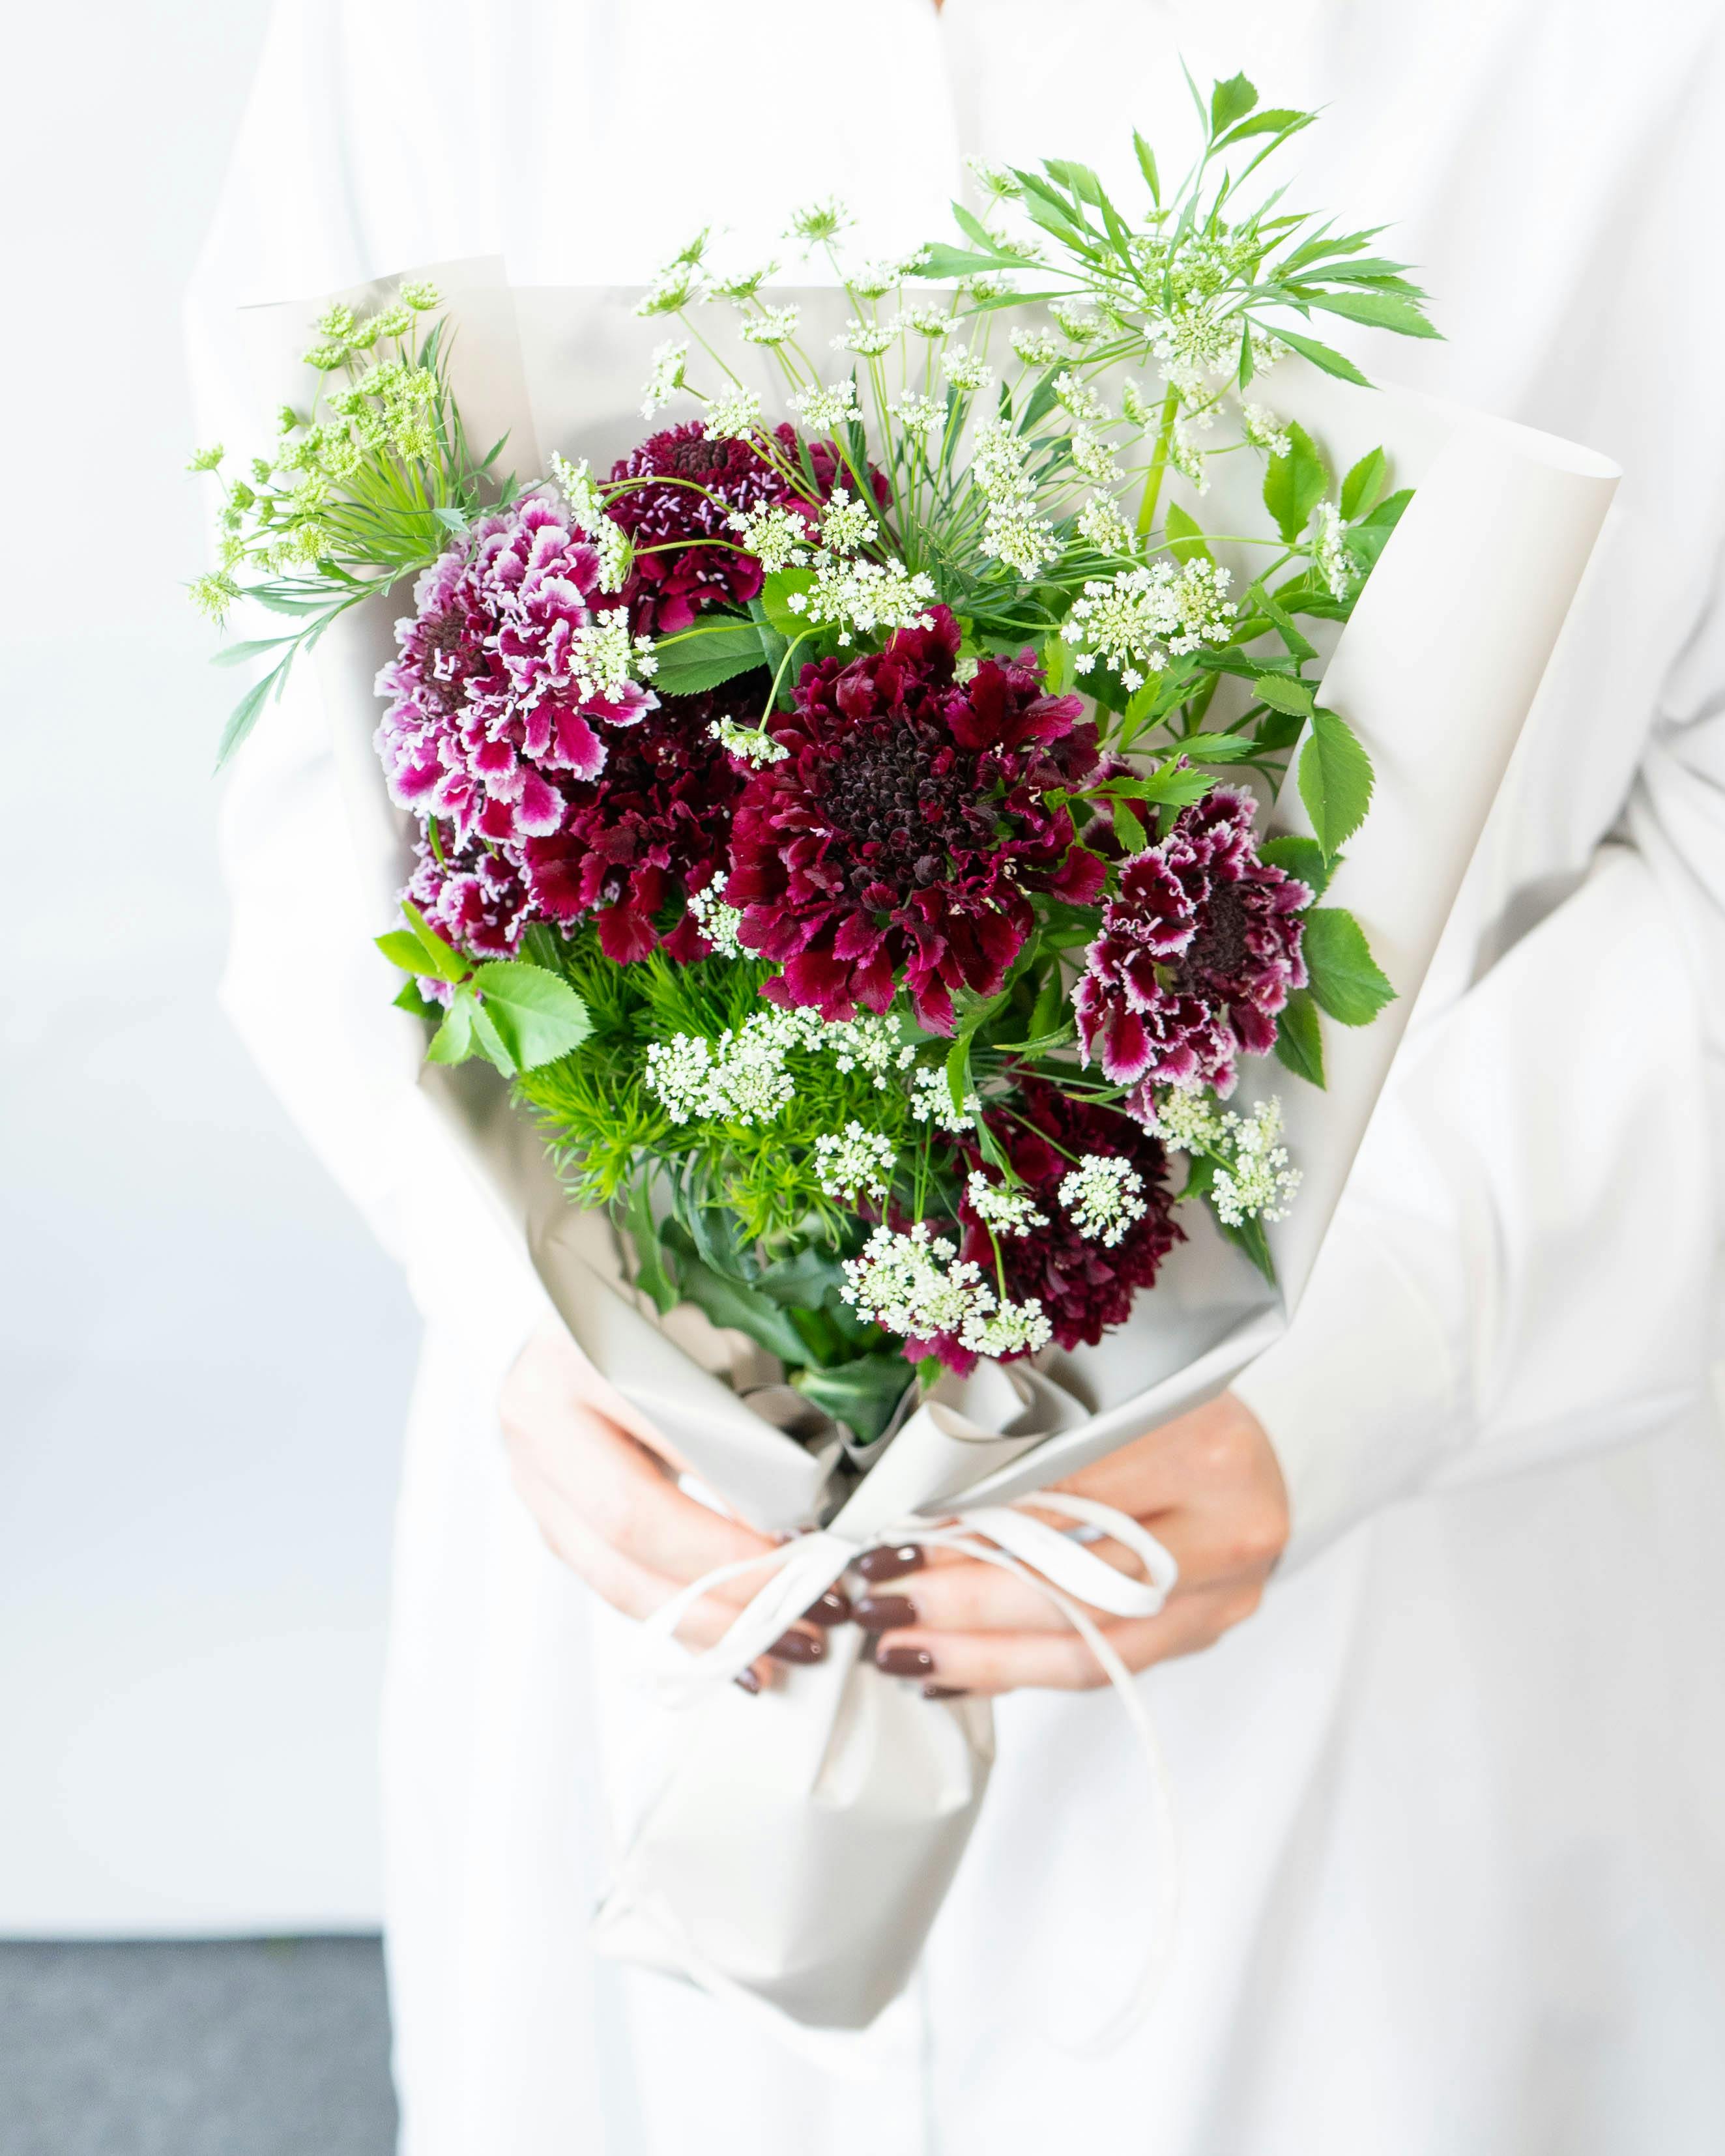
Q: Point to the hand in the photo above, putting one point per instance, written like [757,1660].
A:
[599,1481]
[1207,1486]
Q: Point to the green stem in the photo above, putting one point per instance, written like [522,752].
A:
[1158,463]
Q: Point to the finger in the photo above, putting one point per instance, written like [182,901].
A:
[994,1662]
[636,1592]
[974,1597]
[629,1501]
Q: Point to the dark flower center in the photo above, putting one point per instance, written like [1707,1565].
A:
[444,632]
[883,791]
[1219,947]
[697,459]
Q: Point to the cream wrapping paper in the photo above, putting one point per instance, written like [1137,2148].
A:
[801,1843]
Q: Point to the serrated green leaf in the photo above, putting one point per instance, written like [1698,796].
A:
[1299,1038]
[1299,857]
[1177,786]
[1382,311]
[1324,356]
[452,1041]
[1130,832]
[1283,693]
[488,1041]
[1335,779]
[1366,541]
[1272,120]
[1229,101]
[948,263]
[1344,976]
[1185,536]
[408,998]
[703,658]
[538,1014]
[405,950]
[440,956]
[1221,748]
[1261,602]
[1294,485]
[1146,166]
[1057,665]
[1363,484]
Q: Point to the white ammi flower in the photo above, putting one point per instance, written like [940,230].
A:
[586,513]
[932,1101]
[754,745]
[915,1286]
[669,360]
[717,921]
[1007,1211]
[603,658]
[824,408]
[855,1163]
[846,521]
[772,326]
[864,596]
[1103,1196]
[772,535]
[733,415]
[966,370]
[1132,621]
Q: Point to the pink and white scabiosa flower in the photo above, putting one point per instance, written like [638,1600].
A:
[511,669]
[1197,954]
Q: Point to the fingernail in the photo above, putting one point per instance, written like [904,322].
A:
[879,1564]
[746,1681]
[797,1647]
[905,1661]
[833,1607]
[944,1692]
[885,1613]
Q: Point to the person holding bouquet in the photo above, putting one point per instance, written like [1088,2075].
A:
[1434,1681]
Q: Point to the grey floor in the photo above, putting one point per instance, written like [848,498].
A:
[269,2047]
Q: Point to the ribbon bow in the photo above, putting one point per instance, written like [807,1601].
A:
[1060,1569]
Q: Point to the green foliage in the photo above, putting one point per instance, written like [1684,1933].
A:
[718,648]
[1295,484]
[1299,1038]
[1346,980]
[517,1014]
[1335,779]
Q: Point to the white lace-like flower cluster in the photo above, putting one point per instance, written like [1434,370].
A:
[1101,525]
[824,407]
[1103,1195]
[1333,563]
[928,321]
[1254,1181]
[1077,325]
[670,361]
[1092,459]
[932,1101]
[772,326]
[733,415]
[1187,458]
[740,1077]
[1264,430]
[1013,534]
[869,1043]
[855,1163]
[1036,347]
[772,535]
[586,513]
[918,414]
[859,597]
[846,521]
[1007,1211]
[870,339]
[754,745]
[717,921]
[1079,399]
[1133,620]
[966,370]
[914,1285]
[604,659]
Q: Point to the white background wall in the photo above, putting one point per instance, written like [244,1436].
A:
[203,1359]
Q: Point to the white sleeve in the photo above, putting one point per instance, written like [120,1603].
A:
[311,997]
[1523,1266]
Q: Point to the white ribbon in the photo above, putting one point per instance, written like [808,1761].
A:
[1064,1572]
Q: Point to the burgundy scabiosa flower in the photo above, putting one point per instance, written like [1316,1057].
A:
[659,813]
[665,590]
[1083,1285]
[1197,955]
[507,682]
[905,826]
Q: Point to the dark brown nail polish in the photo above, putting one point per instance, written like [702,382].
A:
[878,1565]
[944,1692]
[885,1613]
[833,1607]
[797,1647]
[746,1681]
[905,1661]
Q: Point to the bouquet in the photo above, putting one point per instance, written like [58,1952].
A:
[887,834]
